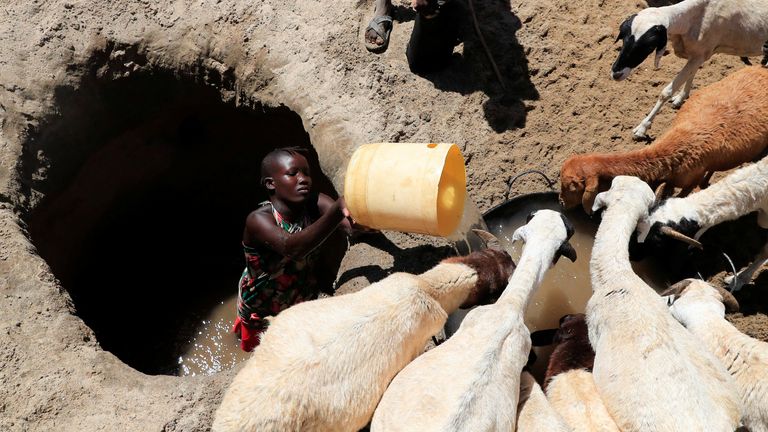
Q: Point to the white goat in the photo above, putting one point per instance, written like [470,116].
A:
[739,193]
[701,308]
[697,29]
[652,374]
[324,364]
[471,382]
[534,412]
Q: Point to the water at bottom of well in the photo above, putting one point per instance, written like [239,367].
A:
[213,347]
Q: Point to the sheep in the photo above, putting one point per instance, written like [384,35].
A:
[723,125]
[534,412]
[697,29]
[323,365]
[701,308]
[651,373]
[568,382]
[472,380]
[737,194]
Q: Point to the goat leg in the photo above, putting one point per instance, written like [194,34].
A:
[704,183]
[681,97]
[687,73]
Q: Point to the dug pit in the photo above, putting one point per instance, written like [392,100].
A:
[138,194]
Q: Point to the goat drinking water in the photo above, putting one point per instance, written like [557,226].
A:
[471,381]
[324,364]
[652,374]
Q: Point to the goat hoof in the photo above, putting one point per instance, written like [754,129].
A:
[677,101]
[639,133]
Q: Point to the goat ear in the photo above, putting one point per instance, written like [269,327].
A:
[657,59]
[661,44]
[590,191]
[519,234]
[567,251]
[600,201]
[625,28]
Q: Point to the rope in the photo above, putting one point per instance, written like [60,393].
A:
[485,46]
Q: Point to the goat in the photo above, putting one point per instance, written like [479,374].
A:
[568,382]
[697,29]
[471,381]
[737,194]
[652,374]
[723,125]
[324,364]
[534,412]
[701,308]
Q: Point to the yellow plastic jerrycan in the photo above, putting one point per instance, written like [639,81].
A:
[410,187]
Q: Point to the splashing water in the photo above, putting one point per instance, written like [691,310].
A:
[213,347]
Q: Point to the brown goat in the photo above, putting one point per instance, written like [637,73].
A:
[569,384]
[722,126]
[572,348]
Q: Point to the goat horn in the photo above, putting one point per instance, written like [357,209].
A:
[672,233]
[730,302]
[660,191]
[490,240]
[677,288]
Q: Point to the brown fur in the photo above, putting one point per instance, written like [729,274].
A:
[572,348]
[720,127]
[493,267]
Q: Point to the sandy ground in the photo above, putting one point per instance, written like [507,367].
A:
[308,55]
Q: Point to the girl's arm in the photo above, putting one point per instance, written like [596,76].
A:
[325,204]
[260,227]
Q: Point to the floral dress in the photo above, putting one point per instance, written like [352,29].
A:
[271,283]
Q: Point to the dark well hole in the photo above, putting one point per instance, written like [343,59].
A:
[138,194]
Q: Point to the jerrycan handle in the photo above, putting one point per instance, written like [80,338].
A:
[510,183]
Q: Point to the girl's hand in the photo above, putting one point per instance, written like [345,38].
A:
[343,206]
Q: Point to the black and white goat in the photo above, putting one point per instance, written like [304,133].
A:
[739,193]
[697,29]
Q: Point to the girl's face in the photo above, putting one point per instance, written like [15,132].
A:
[291,180]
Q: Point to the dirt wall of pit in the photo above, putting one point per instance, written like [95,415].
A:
[306,55]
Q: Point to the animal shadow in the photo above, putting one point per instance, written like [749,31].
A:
[415,260]
[660,3]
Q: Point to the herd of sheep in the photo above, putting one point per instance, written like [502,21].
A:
[634,361]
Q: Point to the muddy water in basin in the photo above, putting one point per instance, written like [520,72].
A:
[213,348]
[566,287]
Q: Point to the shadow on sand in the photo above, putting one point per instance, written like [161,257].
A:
[415,260]
[470,69]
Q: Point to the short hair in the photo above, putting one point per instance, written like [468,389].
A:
[272,156]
